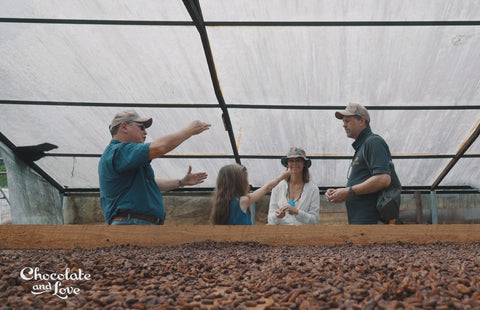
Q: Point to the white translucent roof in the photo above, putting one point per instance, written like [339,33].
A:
[283,68]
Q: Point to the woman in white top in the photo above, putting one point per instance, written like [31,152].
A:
[296,200]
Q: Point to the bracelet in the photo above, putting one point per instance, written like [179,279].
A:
[351,192]
[180,181]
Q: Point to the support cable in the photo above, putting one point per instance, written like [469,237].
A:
[291,106]
[195,6]
[271,156]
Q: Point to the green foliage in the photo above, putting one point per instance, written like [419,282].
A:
[3,175]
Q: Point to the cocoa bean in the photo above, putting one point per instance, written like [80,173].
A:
[211,275]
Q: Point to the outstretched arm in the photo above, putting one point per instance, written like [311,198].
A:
[165,144]
[246,201]
[188,180]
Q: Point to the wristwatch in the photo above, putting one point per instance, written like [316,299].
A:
[351,192]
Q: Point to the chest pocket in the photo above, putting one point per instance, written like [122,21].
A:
[358,170]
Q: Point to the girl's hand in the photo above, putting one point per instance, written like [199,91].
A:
[285,174]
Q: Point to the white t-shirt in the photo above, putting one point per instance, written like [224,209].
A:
[308,205]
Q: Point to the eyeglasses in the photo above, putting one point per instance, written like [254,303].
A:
[142,126]
[294,160]
[349,170]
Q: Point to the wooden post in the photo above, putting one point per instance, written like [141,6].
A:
[418,204]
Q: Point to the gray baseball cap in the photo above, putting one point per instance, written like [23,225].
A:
[353,109]
[129,116]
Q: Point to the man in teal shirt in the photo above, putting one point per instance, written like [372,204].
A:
[360,194]
[129,191]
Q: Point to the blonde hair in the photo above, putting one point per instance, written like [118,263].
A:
[232,182]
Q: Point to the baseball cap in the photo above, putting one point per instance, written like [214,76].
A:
[353,109]
[129,116]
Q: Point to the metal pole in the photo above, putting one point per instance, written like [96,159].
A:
[434,208]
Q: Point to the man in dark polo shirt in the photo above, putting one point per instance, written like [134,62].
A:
[360,194]
[129,192]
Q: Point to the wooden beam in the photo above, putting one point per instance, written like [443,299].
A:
[418,205]
[460,152]
[93,236]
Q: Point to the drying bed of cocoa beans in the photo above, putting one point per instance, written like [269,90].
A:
[244,275]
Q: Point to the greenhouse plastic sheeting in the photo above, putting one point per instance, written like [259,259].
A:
[68,66]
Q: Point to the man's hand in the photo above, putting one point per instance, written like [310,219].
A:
[197,127]
[193,178]
[337,194]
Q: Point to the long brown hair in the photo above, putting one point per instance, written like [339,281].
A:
[232,181]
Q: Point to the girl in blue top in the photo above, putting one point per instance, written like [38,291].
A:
[231,202]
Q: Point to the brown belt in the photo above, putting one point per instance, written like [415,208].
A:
[121,215]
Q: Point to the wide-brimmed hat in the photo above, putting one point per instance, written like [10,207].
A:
[129,116]
[296,152]
[353,109]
